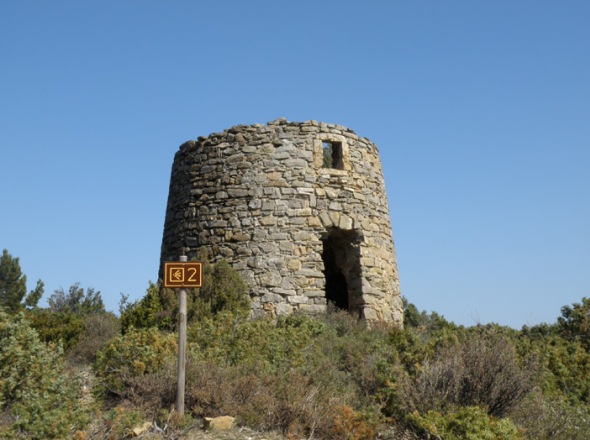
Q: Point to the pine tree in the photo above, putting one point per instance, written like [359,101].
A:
[13,285]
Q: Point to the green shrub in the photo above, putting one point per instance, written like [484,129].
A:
[128,357]
[223,289]
[574,323]
[236,340]
[38,397]
[120,421]
[360,360]
[147,312]
[468,423]
[63,328]
[567,364]
[81,336]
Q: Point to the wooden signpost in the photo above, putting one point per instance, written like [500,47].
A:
[182,274]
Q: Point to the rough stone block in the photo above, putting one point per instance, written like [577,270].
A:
[272,298]
[268,220]
[283,309]
[345,223]
[271,279]
[237,192]
[298,299]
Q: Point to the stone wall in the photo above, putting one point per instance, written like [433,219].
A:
[299,209]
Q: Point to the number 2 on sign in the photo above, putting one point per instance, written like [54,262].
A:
[193,275]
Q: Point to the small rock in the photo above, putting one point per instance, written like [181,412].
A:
[222,423]
[139,430]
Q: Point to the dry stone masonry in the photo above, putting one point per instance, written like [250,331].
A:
[299,209]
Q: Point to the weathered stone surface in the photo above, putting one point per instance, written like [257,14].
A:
[262,197]
[222,423]
[142,429]
[283,309]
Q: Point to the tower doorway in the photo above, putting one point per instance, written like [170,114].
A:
[342,269]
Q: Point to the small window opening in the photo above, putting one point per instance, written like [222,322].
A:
[332,155]
[341,257]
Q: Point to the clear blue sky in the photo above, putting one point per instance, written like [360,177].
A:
[481,111]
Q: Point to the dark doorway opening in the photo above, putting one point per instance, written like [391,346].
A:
[341,256]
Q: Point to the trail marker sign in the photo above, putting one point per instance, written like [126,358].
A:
[183,274]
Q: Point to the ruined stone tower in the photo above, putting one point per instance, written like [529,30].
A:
[299,209]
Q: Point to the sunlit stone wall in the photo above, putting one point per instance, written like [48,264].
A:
[299,209]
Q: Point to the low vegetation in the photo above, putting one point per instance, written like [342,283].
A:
[73,370]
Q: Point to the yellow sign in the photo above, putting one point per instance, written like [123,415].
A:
[179,274]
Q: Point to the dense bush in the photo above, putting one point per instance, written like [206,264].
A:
[302,375]
[127,357]
[236,340]
[77,320]
[466,423]
[296,375]
[98,330]
[574,323]
[328,377]
[63,328]
[567,366]
[288,400]
[38,397]
[332,377]
[544,417]
[483,370]
[147,312]
[223,289]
